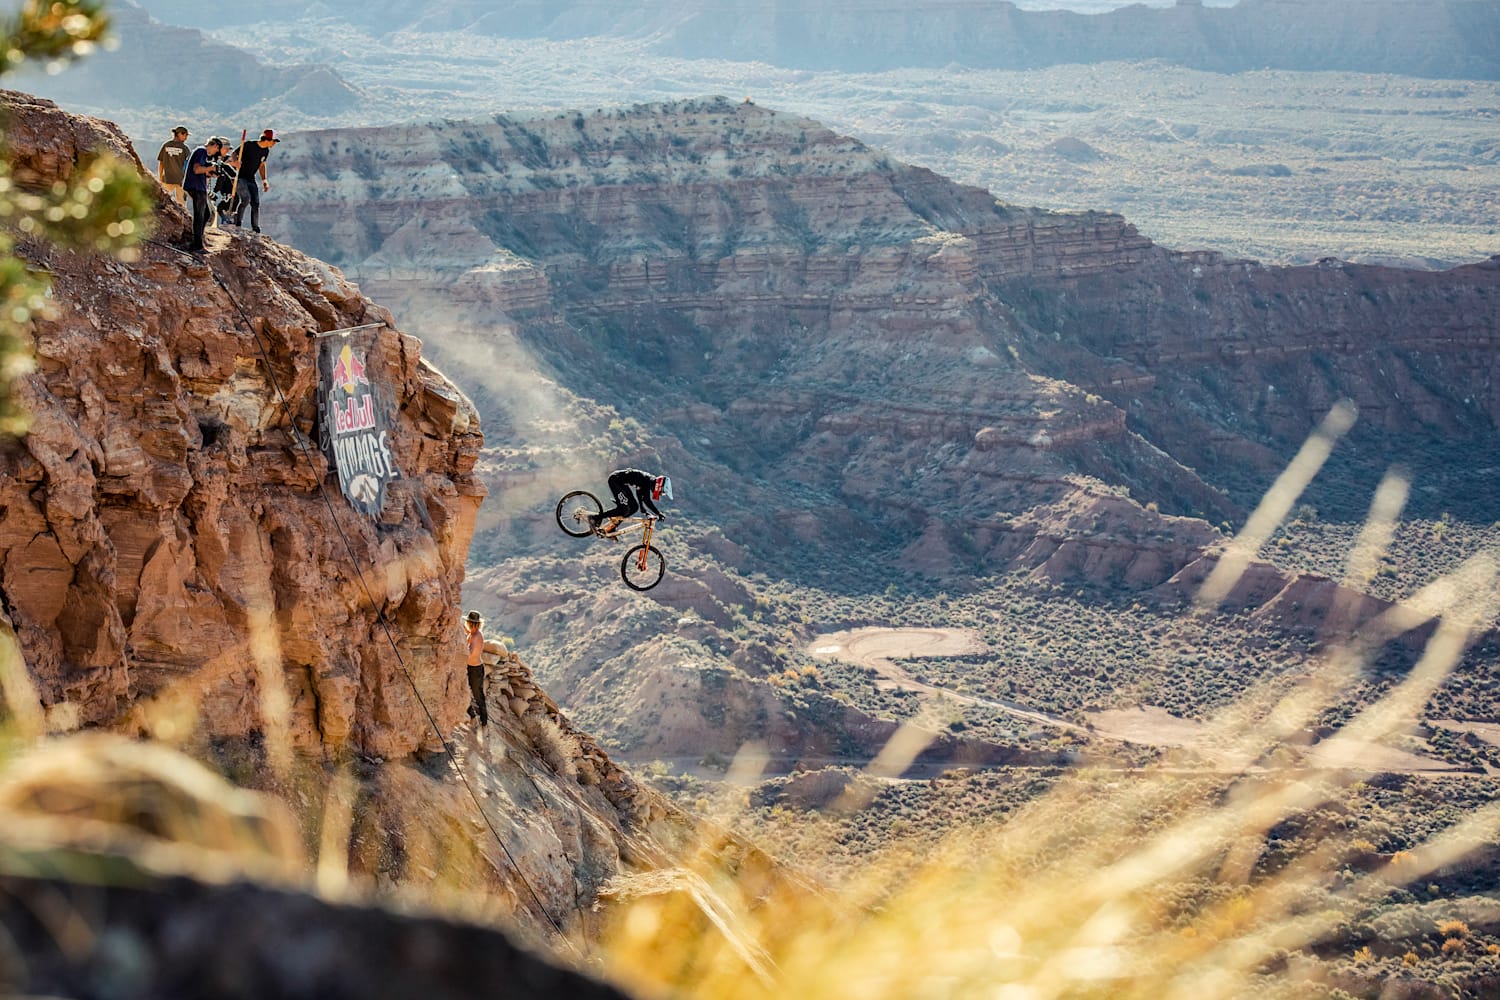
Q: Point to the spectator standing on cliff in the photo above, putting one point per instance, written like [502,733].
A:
[474,637]
[199,177]
[221,196]
[171,164]
[253,177]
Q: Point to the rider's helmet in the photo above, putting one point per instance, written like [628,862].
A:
[662,486]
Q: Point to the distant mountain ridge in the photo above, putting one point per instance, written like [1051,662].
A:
[176,68]
[1428,38]
[1439,38]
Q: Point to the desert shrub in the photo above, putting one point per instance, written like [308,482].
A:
[560,750]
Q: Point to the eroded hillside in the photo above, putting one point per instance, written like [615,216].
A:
[871,381]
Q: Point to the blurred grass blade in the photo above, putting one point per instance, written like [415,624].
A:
[1274,506]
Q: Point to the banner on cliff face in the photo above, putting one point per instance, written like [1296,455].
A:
[355,433]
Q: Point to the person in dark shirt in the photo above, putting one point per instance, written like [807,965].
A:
[632,489]
[221,197]
[196,180]
[253,177]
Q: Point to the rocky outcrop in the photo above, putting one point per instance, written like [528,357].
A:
[573,752]
[170,531]
[177,561]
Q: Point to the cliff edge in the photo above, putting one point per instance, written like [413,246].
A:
[169,511]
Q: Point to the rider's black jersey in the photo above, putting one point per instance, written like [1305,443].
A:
[632,491]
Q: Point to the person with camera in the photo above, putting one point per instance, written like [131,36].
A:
[201,170]
[222,199]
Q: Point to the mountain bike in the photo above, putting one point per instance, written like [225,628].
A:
[642,566]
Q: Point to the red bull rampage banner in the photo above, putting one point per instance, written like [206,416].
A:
[355,436]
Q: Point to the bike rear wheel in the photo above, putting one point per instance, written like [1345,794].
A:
[573,513]
[643,567]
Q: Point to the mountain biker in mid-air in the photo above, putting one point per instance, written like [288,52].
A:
[632,490]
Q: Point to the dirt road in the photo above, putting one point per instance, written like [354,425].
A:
[879,648]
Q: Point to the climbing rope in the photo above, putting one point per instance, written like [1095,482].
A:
[302,444]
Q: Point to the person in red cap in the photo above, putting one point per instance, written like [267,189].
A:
[253,177]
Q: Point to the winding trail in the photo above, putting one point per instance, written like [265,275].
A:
[878,648]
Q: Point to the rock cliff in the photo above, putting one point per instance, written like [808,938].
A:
[177,561]
[167,513]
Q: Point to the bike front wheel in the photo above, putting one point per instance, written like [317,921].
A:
[643,567]
[573,513]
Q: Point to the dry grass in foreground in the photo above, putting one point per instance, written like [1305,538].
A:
[1162,886]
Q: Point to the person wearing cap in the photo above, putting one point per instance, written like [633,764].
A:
[171,163]
[474,636]
[632,489]
[253,177]
[196,181]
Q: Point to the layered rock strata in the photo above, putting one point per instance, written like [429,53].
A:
[902,348]
[852,359]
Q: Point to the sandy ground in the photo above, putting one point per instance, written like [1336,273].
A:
[879,648]
[1487,731]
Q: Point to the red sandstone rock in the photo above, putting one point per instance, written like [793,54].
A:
[165,511]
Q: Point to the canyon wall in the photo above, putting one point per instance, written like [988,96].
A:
[799,304]
[856,371]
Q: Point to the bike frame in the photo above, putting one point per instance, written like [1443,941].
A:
[636,567]
[631,525]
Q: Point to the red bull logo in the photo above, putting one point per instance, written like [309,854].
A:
[349,370]
[354,426]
